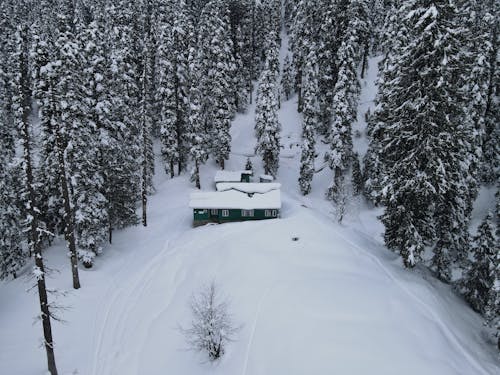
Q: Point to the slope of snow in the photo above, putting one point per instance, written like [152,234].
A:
[333,302]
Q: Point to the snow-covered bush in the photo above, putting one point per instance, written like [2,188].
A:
[211,327]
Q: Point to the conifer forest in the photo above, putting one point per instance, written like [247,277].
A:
[113,111]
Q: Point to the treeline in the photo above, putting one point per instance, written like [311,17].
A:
[434,134]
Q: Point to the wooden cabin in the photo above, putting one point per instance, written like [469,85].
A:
[236,203]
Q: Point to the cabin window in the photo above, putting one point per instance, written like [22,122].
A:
[247,213]
[214,212]
[271,213]
[225,213]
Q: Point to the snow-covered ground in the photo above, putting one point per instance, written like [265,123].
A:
[333,302]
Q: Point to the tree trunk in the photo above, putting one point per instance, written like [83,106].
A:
[299,92]
[44,307]
[69,219]
[364,65]
[221,161]
[172,172]
[144,203]
[198,184]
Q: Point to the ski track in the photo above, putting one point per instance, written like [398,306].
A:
[123,296]
[121,299]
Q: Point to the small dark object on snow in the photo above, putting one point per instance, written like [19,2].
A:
[295,238]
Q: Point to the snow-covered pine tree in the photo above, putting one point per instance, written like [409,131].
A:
[426,147]
[287,77]
[301,36]
[66,115]
[146,105]
[240,21]
[120,141]
[22,111]
[11,251]
[395,36]
[267,126]
[309,122]
[12,256]
[49,194]
[488,83]
[173,89]
[196,135]
[357,175]
[249,165]
[478,285]
[331,23]
[91,215]
[7,49]
[216,64]
[359,10]
[345,101]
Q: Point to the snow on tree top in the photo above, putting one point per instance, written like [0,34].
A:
[230,176]
[248,187]
[233,199]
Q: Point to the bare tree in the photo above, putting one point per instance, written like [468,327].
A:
[211,327]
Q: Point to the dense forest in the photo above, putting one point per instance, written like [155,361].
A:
[88,86]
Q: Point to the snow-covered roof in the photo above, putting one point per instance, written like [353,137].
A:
[230,176]
[248,187]
[267,177]
[233,199]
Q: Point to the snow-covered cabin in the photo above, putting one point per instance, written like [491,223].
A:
[232,176]
[234,203]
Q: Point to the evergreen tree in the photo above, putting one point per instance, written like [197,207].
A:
[120,139]
[146,106]
[249,165]
[197,133]
[426,141]
[345,99]
[173,90]
[357,175]
[309,123]
[22,110]
[12,256]
[479,282]
[66,114]
[395,36]
[91,214]
[217,67]
[301,37]
[287,77]
[267,126]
